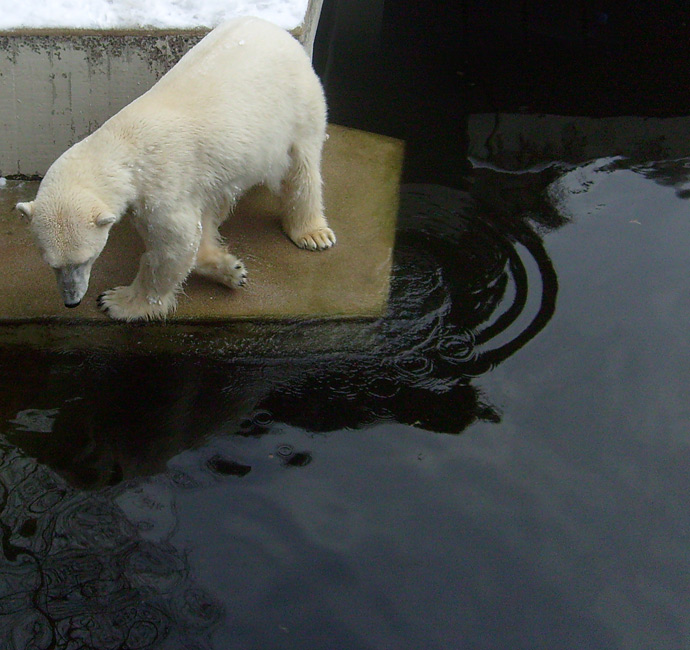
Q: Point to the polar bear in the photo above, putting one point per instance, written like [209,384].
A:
[243,107]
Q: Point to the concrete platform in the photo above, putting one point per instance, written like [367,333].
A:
[351,280]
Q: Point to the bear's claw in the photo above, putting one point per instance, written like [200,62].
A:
[317,240]
[242,281]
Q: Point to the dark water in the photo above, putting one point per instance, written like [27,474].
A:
[328,500]
[500,462]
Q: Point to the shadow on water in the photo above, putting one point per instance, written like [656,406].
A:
[467,292]
[469,288]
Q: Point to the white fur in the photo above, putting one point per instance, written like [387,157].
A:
[241,108]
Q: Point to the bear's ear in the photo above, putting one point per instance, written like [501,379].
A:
[27,209]
[105,219]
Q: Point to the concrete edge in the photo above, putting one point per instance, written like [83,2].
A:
[241,338]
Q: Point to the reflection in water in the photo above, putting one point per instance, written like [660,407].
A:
[674,173]
[670,173]
[97,568]
[76,573]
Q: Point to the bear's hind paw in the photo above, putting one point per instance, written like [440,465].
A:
[223,268]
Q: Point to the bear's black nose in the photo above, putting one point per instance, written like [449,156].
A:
[71,305]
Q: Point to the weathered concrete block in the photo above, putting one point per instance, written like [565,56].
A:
[57,86]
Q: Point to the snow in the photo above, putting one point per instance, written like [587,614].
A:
[161,14]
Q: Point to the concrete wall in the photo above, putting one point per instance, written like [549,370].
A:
[58,86]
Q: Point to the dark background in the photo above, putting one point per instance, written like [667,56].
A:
[414,69]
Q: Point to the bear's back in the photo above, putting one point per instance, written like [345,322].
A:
[238,51]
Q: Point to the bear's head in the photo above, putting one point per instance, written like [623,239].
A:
[71,229]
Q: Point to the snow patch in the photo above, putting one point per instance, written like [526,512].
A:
[159,14]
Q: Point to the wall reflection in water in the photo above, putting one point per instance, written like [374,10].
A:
[76,573]
[86,526]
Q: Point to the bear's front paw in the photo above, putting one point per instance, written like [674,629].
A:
[315,240]
[123,303]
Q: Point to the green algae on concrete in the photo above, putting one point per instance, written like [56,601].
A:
[361,178]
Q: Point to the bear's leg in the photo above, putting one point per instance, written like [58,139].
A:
[212,260]
[303,219]
[170,252]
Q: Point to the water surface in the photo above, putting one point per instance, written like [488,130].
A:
[500,462]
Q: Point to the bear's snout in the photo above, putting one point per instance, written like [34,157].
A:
[73,281]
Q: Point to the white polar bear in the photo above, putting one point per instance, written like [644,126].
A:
[241,108]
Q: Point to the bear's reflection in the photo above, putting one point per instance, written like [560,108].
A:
[457,304]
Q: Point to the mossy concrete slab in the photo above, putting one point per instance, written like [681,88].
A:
[351,280]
